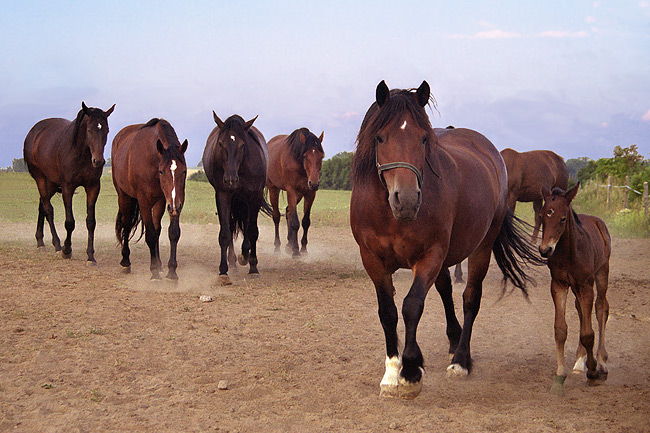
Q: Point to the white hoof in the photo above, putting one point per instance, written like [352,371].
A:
[580,366]
[457,371]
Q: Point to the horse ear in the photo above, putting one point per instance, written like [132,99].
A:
[184,146]
[302,138]
[248,124]
[321,137]
[110,110]
[382,93]
[570,194]
[218,121]
[546,191]
[423,93]
[84,108]
[160,147]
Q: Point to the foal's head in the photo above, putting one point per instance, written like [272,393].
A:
[91,127]
[555,215]
[173,171]
[231,146]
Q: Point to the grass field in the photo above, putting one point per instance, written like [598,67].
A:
[19,198]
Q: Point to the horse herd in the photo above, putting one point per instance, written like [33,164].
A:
[423,198]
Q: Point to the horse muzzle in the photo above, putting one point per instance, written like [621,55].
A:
[231,181]
[174,210]
[313,186]
[405,204]
[98,162]
[546,251]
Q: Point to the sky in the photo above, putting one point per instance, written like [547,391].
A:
[569,76]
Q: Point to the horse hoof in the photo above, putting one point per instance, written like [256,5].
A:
[66,256]
[456,371]
[171,276]
[253,275]
[155,278]
[242,260]
[296,255]
[91,263]
[41,248]
[225,280]
[558,385]
[389,391]
[126,269]
[409,390]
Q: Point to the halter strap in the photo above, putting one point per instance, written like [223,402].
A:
[381,168]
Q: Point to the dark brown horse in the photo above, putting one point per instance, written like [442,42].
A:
[149,172]
[62,155]
[578,247]
[528,173]
[426,199]
[235,162]
[294,166]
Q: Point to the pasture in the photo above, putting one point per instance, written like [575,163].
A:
[300,348]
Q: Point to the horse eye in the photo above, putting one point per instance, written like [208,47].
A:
[379,139]
[563,219]
[160,171]
[424,140]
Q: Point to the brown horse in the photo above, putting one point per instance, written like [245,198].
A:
[149,171]
[235,162]
[528,173]
[578,247]
[426,199]
[294,166]
[62,155]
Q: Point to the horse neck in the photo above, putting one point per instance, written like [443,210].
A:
[571,237]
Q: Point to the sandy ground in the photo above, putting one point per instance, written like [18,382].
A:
[89,349]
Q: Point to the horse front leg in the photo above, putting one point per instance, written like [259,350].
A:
[252,236]
[306,219]
[293,223]
[585,295]
[174,233]
[602,314]
[92,192]
[223,200]
[151,236]
[559,293]
[67,192]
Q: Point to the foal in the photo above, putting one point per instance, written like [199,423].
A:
[578,249]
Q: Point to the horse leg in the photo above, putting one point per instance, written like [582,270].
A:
[293,223]
[581,353]
[306,219]
[127,206]
[443,285]
[602,314]
[274,198]
[174,233]
[458,274]
[40,222]
[383,281]
[252,235]
[537,207]
[67,192]
[223,200]
[585,294]
[151,238]
[559,294]
[46,190]
[157,213]
[92,192]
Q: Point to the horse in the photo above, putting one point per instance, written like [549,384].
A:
[295,162]
[62,155]
[578,248]
[235,160]
[528,172]
[425,199]
[149,171]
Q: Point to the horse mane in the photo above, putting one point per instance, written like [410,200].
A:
[400,101]
[236,123]
[558,192]
[80,117]
[173,150]
[298,147]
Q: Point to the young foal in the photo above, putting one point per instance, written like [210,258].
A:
[578,249]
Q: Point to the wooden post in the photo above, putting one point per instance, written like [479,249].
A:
[596,187]
[609,188]
[645,198]
[627,191]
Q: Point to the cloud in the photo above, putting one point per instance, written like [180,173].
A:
[487,34]
[646,116]
[563,34]
[590,19]
[644,4]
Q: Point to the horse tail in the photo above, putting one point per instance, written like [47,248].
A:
[134,218]
[238,215]
[512,252]
[265,206]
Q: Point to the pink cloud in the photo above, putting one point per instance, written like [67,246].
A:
[646,116]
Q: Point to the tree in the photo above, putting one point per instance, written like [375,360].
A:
[18,165]
[335,172]
[576,164]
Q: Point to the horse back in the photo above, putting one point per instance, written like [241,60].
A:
[529,171]
[599,237]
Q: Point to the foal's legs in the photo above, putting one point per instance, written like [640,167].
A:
[559,293]
[602,313]
[306,219]
[585,294]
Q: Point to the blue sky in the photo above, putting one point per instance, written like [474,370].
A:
[570,76]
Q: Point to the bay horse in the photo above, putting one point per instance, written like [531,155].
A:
[235,160]
[578,248]
[149,171]
[528,173]
[425,199]
[295,163]
[62,155]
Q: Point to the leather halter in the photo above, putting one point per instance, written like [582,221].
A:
[381,168]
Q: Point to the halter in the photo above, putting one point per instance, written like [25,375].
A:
[400,164]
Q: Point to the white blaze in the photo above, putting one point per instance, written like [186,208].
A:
[173,169]
[403,125]
[232,137]
[99,126]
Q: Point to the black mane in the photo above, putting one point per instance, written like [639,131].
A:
[298,147]
[167,131]
[399,102]
[94,112]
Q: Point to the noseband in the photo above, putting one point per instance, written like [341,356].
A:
[381,168]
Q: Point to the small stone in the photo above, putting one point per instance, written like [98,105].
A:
[223,385]
[206,298]
[392,426]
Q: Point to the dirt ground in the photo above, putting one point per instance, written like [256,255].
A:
[89,349]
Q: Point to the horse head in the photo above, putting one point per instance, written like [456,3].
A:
[555,213]
[172,170]
[91,127]
[402,135]
[312,158]
[231,146]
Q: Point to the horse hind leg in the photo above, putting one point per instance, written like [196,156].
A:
[580,366]
[46,210]
[602,314]
[586,297]
[444,288]
[39,226]
[537,207]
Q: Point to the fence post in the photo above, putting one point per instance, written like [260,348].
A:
[645,198]
[596,187]
[627,191]
[609,188]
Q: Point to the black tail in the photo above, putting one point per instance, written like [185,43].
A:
[134,219]
[512,252]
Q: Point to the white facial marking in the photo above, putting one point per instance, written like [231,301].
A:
[173,169]
[403,125]
[232,137]
[99,126]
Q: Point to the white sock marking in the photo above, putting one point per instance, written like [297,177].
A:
[393,367]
